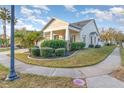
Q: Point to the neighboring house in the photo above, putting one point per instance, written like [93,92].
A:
[2,36]
[84,31]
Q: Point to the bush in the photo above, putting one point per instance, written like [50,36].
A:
[35,51]
[91,46]
[97,46]
[46,52]
[54,44]
[36,46]
[77,45]
[60,52]
[107,44]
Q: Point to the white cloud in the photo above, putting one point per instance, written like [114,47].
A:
[25,11]
[110,14]
[42,7]
[33,15]
[105,15]
[37,11]
[117,10]
[21,24]
[48,18]
[39,21]
[70,8]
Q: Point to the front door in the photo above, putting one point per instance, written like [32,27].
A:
[73,39]
[56,37]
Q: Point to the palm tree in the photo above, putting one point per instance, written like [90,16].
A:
[5,16]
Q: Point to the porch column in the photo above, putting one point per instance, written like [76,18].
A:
[51,35]
[44,34]
[67,38]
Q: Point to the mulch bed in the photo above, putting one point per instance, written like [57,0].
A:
[53,57]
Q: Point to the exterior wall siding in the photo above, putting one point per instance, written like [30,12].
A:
[56,24]
[86,30]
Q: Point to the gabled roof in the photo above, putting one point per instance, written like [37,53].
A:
[80,24]
[48,23]
[77,25]
[52,19]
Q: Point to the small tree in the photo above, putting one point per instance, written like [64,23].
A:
[27,39]
[111,35]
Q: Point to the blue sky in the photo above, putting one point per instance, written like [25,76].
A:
[34,17]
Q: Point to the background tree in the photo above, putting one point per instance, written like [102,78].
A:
[111,36]
[27,39]
[5,17]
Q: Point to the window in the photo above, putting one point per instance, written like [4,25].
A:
[84,38]
[56,37]
[73,38]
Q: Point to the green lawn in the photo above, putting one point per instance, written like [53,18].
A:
[34,81]
[83,58]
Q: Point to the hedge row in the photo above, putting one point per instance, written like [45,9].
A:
[54,44]
[51,48]
[47,52]
[94,46]
[60,52]
[77,46]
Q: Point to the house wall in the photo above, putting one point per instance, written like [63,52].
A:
[55,25]
[86,30]
[77,36]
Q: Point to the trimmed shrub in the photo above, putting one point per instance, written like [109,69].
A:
[35,52]
[36,46]
[60,52]
[91,46]
[46,52]
[54,44]
[107,44]
[77,45]
[97,46]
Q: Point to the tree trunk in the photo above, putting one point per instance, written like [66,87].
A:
[4,29]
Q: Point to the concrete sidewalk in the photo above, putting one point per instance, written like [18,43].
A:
[104,81]
[91,73]
[16,51]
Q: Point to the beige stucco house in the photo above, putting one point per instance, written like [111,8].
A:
[84,31]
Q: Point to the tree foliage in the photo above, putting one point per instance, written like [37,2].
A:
[5,16]
[111,35]
[27,39]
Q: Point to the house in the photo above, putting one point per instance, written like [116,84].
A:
[84,31]
[2,36]
[5,42]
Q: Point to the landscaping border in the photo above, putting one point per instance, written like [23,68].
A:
[40,59]
[63,59]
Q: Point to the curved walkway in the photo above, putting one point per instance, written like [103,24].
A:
[91,73]
[111,63]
